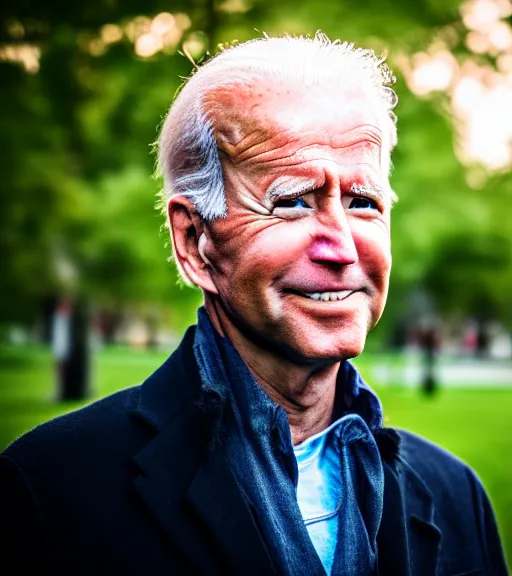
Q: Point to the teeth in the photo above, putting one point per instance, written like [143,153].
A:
[327,296]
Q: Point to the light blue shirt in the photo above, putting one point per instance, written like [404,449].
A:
[319,488]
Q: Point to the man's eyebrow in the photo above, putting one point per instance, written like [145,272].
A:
[289,186]
[386,195]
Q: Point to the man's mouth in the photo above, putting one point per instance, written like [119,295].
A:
[325,296]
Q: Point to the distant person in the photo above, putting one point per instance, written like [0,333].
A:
[399,334]
[257,448]
[482,339]
[429,340]
[70,346]
[470,337]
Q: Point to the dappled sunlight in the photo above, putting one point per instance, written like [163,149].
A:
[432,73]
[26,55]
[149,36]
[481,15]
[479,96]
[162,33]
[111,33]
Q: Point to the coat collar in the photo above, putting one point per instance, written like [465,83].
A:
[171,388]
[408,540]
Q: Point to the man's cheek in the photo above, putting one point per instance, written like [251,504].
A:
[374,252]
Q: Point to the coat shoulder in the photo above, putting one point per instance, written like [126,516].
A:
[463,512]
[427,459]
[94,428]
[108,433]
[453,484]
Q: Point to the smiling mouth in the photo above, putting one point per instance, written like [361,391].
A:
[325,296]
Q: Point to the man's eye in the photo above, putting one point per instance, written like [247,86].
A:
[292,203]
[361,202]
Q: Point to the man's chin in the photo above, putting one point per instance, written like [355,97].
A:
[332,341]
[313,352]
[340,355]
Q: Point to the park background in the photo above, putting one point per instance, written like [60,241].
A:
[84,86]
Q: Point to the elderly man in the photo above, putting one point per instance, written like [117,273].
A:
[257,448]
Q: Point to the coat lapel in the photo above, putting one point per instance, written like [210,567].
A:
[424,535]
[408,540]
[165,473]
[217,499]
[203,512]
[189,489]
[392,542]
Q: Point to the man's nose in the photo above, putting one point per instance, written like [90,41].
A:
[333,242]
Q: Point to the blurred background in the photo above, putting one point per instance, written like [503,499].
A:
[89,302]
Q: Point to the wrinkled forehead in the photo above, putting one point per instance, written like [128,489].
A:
[268,106]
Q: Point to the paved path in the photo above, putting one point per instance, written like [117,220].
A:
[464,373]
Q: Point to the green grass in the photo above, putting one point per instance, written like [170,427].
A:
[471,423]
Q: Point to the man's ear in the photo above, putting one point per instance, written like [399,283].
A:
[188,239]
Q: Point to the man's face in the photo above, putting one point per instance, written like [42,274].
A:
[302,260]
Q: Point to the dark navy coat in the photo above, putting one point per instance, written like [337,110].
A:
[129,486]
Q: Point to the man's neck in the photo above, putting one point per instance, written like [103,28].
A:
[306,391]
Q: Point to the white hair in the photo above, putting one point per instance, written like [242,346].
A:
[188,158]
